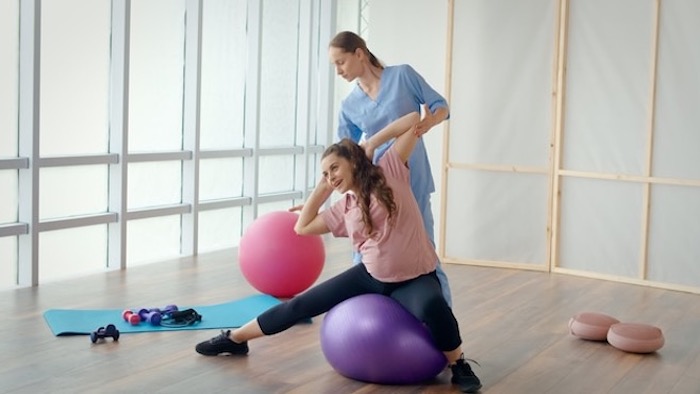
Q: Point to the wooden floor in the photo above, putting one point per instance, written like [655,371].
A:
[514,323]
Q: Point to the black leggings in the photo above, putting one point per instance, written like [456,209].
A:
[422,296]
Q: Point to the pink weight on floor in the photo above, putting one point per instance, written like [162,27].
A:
[592,326]
[636,337]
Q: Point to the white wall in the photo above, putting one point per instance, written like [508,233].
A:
[610,189]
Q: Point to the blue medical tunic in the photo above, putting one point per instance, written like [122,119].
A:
[401,91]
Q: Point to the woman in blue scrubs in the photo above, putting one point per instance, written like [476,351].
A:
[383,94]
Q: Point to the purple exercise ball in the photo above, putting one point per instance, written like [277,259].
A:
[374,339]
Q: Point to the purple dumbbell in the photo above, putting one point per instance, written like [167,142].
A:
[169,308]
[151,315]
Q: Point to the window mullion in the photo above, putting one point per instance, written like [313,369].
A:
[29,93]
[118,131]
[191,125]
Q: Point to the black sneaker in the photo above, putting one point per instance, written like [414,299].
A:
[463,376]
[221,344]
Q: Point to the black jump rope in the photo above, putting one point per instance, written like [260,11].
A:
[183,318]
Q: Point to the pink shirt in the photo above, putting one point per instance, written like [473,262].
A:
[394,253]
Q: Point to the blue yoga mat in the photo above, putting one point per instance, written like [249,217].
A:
[226,315]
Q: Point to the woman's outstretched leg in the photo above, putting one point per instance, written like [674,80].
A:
[231,342]
[315,301]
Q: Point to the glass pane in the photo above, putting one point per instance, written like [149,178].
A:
[224,50]
[510,112]
[219,229]
[8,196]
[158,183]
[9,68]
[156,75]
[496,216]
[72,252]
[606,112]
[673,234]
[314,170]
[278,73]
[220,178]
[348,16]
[676,136]
[71,191]
[8,263]
[276,174]
[152,240]
[600,226]
[274,207]
[75,45]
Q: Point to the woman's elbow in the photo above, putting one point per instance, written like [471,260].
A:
[311,229]
[301,230]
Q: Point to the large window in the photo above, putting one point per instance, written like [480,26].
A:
[133,131]
[9,72]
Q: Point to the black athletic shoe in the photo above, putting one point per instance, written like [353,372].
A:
[221,344]
[463,376]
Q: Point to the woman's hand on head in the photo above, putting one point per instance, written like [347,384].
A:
[369,149]
[324,187]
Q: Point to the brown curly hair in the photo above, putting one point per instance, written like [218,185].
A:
[369,179]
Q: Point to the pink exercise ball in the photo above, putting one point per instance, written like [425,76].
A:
[277,261]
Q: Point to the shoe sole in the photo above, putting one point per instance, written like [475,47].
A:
[470,389]
[205,353]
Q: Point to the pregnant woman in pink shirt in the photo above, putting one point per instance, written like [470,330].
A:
[382,219]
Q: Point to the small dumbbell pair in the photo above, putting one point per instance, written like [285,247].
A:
[105,332]
[142,315]
[150,315]
[132,317]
